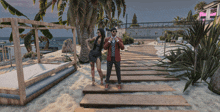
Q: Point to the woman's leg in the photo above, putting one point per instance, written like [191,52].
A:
[98,66]
[92,72]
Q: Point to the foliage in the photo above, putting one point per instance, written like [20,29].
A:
[31,55]
[11,9]
[39,16]
[127,39]
[200,5]
[86,13]
[199,65]
[134,21]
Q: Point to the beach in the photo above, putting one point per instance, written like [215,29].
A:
[66,95]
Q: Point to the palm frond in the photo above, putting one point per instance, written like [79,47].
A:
[11,9]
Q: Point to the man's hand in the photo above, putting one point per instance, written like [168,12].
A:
[116,39]
[110,39]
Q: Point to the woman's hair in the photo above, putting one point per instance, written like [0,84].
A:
[102,40]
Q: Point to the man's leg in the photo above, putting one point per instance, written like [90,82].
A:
[118,71]
[109,69]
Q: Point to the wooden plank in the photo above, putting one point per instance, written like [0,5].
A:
[18,58]
[9,91]
[118,100]
[141,78]
[7,101]
[35,79]
[130,65]
[81,109]
[141,59]
[66,27]
[138,68]
[136,73]
[127,88]
[47,87]
[37,45]
[42,23]
[25,27]
[5,26]
[5,20]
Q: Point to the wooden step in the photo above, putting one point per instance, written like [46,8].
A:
[119,100]
[138,68]
[141,59]
[134,58]
[114,79]
[135,73]
[81,109]
[127,88]
[130,65]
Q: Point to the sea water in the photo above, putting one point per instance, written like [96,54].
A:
[54,42]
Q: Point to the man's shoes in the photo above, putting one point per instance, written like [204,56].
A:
[106,87]
[119,87]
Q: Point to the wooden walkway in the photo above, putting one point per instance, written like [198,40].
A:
[136,66]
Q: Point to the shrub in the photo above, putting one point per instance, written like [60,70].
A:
[139,43]
[142,42]
[205,63]
[127,39]
[31,54]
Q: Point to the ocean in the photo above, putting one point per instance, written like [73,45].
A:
[54,42]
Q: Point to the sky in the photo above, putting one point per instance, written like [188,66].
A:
[146,11]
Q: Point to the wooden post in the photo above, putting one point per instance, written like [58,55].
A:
[37,45]
[3,53]
[74,43]
[18,58]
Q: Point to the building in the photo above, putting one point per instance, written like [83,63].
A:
[210,11]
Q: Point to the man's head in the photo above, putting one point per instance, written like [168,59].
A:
[113,31]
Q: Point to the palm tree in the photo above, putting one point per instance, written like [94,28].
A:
[84,14]
[39,16]
[200,6]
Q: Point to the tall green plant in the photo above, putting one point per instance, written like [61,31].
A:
[196,32]
[207,60]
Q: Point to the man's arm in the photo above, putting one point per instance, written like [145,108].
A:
[107,44]
[121,45]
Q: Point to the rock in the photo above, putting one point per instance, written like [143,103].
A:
[215,82]
[67,46]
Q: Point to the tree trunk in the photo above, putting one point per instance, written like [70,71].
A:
[84,52]
[47,44]
[165,47]
[78,34]
[195,50]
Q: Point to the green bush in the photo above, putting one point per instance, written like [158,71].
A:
[198,65]
[139,43]
[31,54]
[127,39]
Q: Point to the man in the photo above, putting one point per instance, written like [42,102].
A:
[113,44]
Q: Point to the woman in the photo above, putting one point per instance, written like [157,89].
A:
[95,54]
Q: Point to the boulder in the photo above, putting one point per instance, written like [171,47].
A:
[215,82]
[67,46]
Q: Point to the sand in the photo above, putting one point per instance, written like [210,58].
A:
[66,95]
